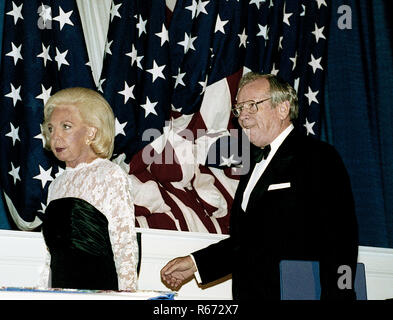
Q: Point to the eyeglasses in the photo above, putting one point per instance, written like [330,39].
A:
[251,106]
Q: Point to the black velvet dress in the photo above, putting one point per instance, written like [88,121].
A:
[77,236]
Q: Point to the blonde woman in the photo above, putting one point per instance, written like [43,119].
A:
[89,225]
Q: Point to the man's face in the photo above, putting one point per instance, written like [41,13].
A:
[266,124]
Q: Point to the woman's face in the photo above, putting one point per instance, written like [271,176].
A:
[70,136]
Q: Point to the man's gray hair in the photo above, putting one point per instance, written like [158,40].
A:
[280,91]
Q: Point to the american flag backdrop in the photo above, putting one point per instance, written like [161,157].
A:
[43,51]
[171,78]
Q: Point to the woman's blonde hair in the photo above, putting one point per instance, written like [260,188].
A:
[280,91]
[95,112]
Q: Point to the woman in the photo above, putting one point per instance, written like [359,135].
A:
[89,225]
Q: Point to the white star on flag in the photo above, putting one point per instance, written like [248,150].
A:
[63,18]
[220,25]
[44,176]
[14,173]
[45,12]
[243,38]
[100,83]
[179,79]
[61,170]
[149,107]
[141,25]
[286,16]
[203,84]
[16,12]
[312,96]
[304,11]
[119,127]
[280,42]
[14,94]
[187,43]
[108,47]
[263,31]
[15,53]
[318,33]
[175,109]
[274,70]
[296,84]
[320,3]
[13,134]
[156,71]
[40,136]
[257,3]
[115,10]
[127,92]
[309,126]
[45,54]
[228,161]
[315,63]
[45,94]
[163,35]
[134,57]
[201,7]
[192,8]
[294,60]
[61,58]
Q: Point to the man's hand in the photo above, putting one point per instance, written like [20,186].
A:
[177,271]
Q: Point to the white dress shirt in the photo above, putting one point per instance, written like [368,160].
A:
[261,166]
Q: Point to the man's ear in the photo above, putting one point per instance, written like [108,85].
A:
[283,110]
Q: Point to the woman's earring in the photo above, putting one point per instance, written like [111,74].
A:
[88,142]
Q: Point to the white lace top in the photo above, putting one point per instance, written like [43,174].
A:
[107,187]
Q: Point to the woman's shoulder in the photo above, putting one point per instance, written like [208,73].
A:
[59,179]
[114,177]
[109,165]
[112,170]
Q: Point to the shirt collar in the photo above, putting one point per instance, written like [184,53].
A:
[276,143]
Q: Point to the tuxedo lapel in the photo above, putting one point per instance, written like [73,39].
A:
[276,169]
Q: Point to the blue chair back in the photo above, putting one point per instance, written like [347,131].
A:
[300,280]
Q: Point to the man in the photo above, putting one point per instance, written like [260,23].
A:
[296,203]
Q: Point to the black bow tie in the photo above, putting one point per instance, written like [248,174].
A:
[259,153]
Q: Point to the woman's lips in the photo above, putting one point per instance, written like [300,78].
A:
[58,150]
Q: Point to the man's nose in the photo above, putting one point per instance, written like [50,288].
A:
[244,113]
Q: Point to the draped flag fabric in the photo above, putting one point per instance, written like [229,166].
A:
[171,78]
[4,223]
[159,98]
[182,67]
[43,51]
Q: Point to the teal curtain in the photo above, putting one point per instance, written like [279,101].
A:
[359,111]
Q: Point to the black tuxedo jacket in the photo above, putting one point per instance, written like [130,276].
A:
[311,218]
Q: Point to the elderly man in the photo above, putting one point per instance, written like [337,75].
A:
[294,203]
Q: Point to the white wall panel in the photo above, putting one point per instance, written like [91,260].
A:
[22,256]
